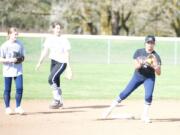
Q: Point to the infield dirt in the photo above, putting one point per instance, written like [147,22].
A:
[82,117]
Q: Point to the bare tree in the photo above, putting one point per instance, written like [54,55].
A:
[123,13]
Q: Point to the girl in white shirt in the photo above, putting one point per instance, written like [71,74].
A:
[57,46]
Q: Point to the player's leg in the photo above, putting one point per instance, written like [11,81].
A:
[55,103]
[7,93]
[56,71]
[149,88]
[135,82]
[132,85]
[55,79]
[59,90]
[19,93]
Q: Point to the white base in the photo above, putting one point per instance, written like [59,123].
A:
[123,116]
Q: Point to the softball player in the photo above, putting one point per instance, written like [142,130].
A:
[57,46]
[12,56]
[147,64]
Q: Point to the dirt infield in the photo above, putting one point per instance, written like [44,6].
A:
[83,118]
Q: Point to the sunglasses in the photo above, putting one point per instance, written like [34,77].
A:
[150,42]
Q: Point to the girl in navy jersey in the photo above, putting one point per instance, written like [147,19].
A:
[147,64]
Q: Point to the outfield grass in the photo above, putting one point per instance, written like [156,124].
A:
[93,78]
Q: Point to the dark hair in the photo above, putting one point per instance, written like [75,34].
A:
[53,24]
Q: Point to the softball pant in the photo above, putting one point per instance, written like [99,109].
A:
[55,72]
[7,90]
[135,82]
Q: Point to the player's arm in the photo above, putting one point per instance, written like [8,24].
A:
[138,63]
[156,66]
[3,59]
[44,53]
[157,69]
[8,60]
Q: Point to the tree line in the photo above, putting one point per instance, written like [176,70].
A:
[106,17]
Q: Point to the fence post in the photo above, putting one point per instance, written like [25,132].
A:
[108,51]
[175,52]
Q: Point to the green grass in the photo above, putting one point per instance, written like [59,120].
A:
[92,77]
[97,81]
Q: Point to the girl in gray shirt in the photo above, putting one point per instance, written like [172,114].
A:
[12,56]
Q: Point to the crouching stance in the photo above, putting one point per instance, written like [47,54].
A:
[147,64]
[57,47]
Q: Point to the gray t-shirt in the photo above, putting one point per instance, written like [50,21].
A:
[11,50]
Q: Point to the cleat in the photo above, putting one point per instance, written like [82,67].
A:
[56,104]
[19,110]
[8,111]
[146,119]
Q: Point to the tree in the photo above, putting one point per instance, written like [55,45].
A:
[24,14]
[122,12]
[117,17]
[173,14]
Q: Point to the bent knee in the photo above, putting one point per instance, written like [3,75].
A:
[148,99]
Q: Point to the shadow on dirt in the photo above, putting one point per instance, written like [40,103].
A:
[51,112]
[90,107]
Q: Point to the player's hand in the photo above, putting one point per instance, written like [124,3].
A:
[37,66]
[154,64]
[11,60]
[140,60]
[68,73]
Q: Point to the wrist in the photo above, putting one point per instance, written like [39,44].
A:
[156,67]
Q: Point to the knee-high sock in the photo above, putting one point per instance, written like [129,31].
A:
[146,110]
[109,110]
[56,92]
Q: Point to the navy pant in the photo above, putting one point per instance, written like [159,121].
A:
[7,90]
[56,70]
[135,82]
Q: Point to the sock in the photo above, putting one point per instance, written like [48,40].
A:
[60,91]
[114,104]
[146,110]
[57,93]
[109,110]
